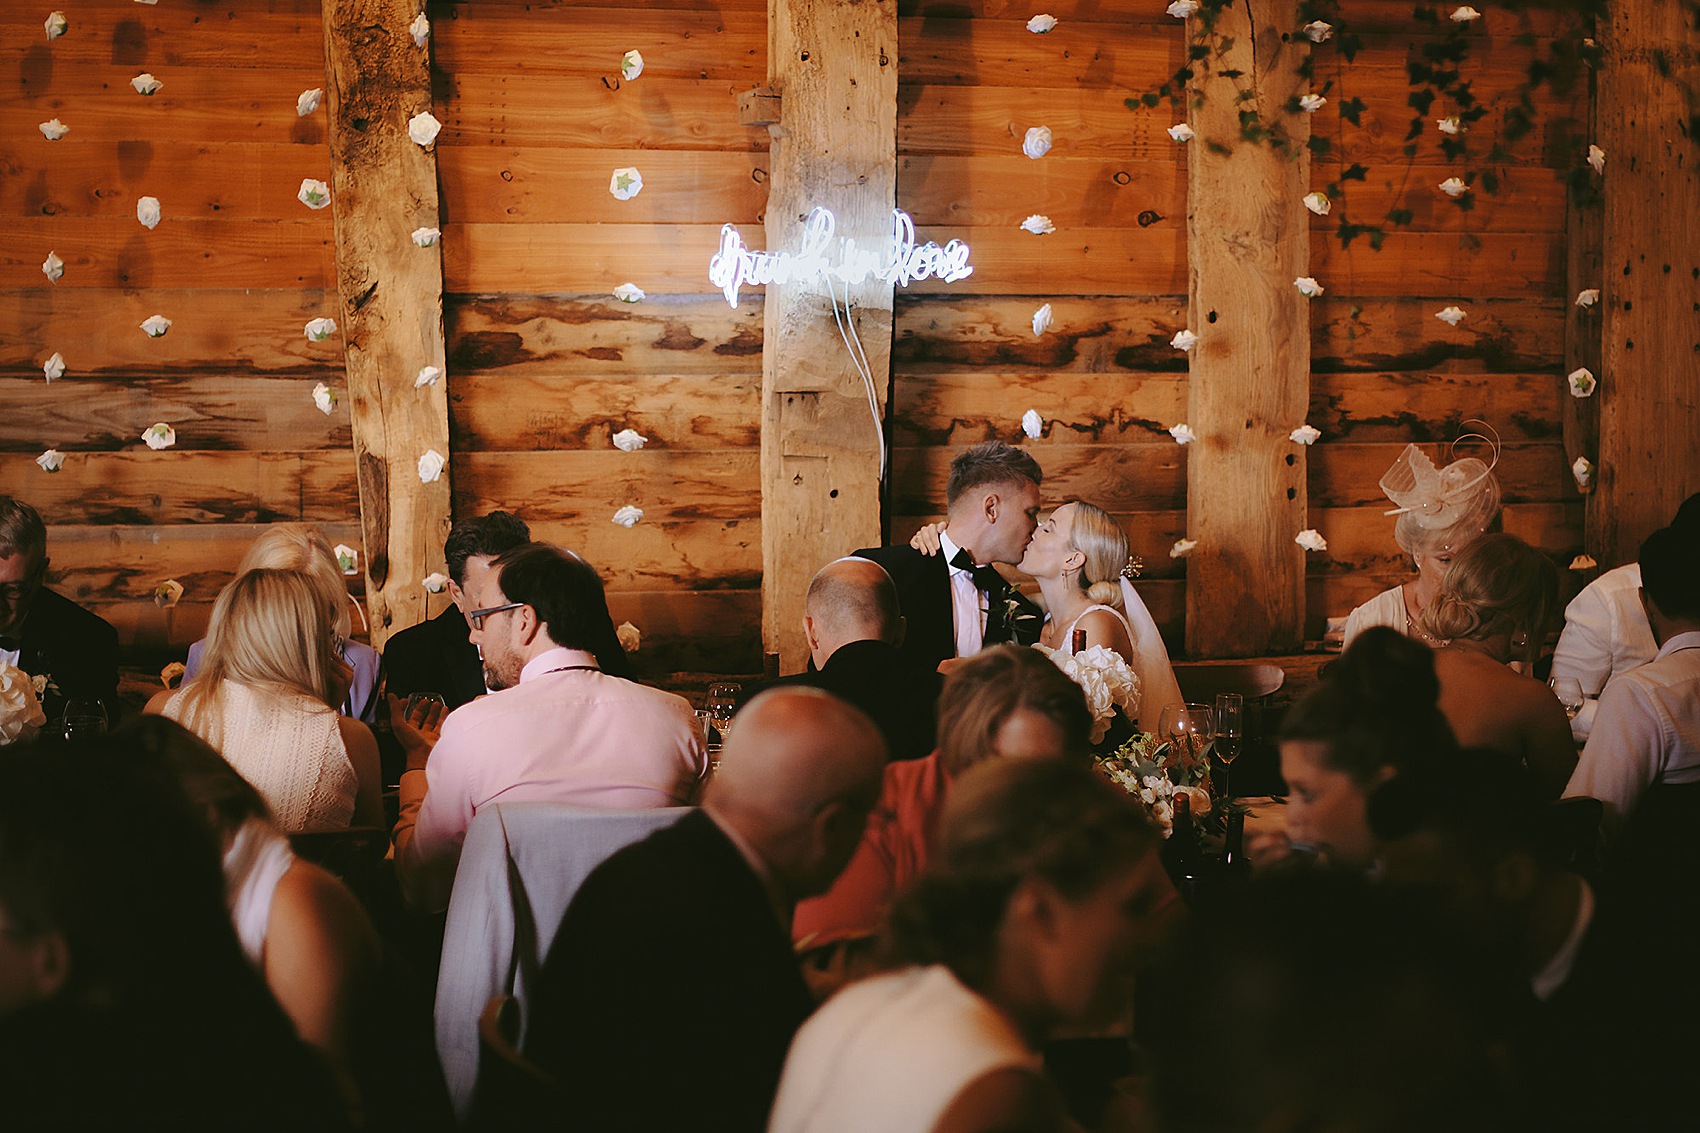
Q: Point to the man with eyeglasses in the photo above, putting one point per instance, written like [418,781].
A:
[46,635]
[557,727]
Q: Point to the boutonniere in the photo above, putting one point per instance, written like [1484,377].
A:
[1023,617]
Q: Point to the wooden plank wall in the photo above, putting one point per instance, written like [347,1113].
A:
[237,263]
[544,365]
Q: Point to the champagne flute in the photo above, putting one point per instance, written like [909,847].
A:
[1569,693]
[722,705]
[1230,732]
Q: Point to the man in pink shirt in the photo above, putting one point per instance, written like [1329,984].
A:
[557,728]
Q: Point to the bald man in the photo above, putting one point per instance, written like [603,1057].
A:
[855,634]
[671,992]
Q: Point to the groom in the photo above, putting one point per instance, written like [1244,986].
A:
[955,602]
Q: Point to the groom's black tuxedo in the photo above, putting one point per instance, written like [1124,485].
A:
[75,650]
[924,597]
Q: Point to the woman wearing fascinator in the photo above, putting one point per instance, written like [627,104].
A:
[1440,512]
[1079,557]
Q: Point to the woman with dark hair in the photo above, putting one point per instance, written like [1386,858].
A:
[1375,714]
[1040,894]
[125,1000]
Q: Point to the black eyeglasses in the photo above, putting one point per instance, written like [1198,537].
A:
[476,617]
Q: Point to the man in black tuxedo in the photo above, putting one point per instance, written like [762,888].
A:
[671,993]
[438,655]
[45,634]
[853,628]
[955,602]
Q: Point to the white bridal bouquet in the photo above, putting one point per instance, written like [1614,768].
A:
[20,709]
[1105,678]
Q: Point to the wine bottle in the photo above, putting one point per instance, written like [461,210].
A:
[1181,854]
[1234,862]
[1077,641]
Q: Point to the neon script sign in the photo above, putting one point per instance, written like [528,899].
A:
[899,261]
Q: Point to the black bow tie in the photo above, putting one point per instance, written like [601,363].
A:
[986,577]
[11,645]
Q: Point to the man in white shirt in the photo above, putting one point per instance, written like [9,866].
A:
[1647,729]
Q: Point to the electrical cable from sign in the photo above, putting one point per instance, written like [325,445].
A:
[859,358]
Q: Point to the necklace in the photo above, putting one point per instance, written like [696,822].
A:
[1412,629]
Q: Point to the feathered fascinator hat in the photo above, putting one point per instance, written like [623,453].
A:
[1460,500]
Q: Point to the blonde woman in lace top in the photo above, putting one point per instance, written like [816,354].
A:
[263,697]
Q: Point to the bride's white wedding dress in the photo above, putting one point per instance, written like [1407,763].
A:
[1150,662]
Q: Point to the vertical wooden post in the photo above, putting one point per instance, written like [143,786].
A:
[833,64]
[1248,239]
[383,186]
[1649,410]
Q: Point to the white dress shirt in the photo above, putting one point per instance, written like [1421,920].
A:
[1647,731]
[1605,635]
[967,603]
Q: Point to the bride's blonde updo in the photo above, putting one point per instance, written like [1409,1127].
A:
[1104,544]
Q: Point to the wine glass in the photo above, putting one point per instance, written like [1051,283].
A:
[1230,732]
[1569,693]
[722,705]
[1186,728]
[82,719]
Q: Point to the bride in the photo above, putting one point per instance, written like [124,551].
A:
[1079,558]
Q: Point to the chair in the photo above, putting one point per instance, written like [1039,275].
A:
[519,868]
[512,1091]
[1201,681]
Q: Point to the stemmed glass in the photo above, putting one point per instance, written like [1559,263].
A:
[83,717]
[722,705]
[1187,729]
[1230,733]
[1569,693]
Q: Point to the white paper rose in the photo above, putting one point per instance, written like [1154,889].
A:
[55,25]
[1042,320]
[1183,434]
[155,326]
[1453,187]
[1319,203]
[1597,158]
[53,129]
[146,84]
[631,639]
[425,237]
[1582,383]
[325,398]
[1182,548]
[1465,15]
[631,65]
[431,466]
[1583,562]
[1318,31]
[436,582]
[147,211]
[51,461]
[167,594]
[20,712]
[54,367]
[629,440]
[1032,424]
[1308,287]
[1451,124]
[159,436]
[317,330]
[1181,9]
[419,29]
[1184,340]
[172,674]
[1041,23]
[1038,224]
[308,101]
[1588,297]
[1037,143]
[1311,540]
[630,293]
[1181,132]
[347,558]
[427,376]
[314,194]
[1583,470]
[423,128]
[53,267]
[1305,435]
[1451,316]
[628,516]
[625,183]
[1311,103]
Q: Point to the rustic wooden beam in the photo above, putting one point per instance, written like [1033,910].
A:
[758,107]
[1248,239]
[1649,411]
[834,66]
[383,187]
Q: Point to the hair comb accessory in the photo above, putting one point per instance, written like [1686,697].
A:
[1134,565]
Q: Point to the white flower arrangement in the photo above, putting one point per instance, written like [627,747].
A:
[1308,287]
[308,101]
[1184,340]
[147,211]
[419,29]
[1583,470]
[1319,203]
[629,440]
[1311,103]
[1037,142]
[1454,187]
[56,25]
[20,705]
[1182,548]
[1032,424]
[1588,297]
[325,398]
[427,376]
[435,583]
[53,267]
[54,368]
[423,128]
[1181,9]
[1105,678]
[1582,382]
[1154,773]
[1038,224]
[313,194]
[156,326]
[1465,15]
[431,466]
[1041,23]
[51,461]
[53,129]
[167,594]
[1305,435]
[1042,320]
[1318,31]
[425,237]
[1183,434]
[1451,124]
[146,85]
[625,183]
[317,330]
[1597,159]
[630,637]
[630,293]
[159,436]
[347,559]
[628,516]
[1181,132]
[1451,316]
[631,65]
[1311,540]
[1583,562]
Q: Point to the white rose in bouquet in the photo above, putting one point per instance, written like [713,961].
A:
[20,711]
[1105,679]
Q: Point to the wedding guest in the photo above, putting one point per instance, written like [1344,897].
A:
[438,655]
[125,1000]
[1441,511]
[263,699]
[1374,715]
[1007,701]
[1498,601]
[1043,892]
[44,633]
[1605,629]
[639,1034]
[956,602]
[1647,731]
[558,728]
[852,625]
[302,547]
